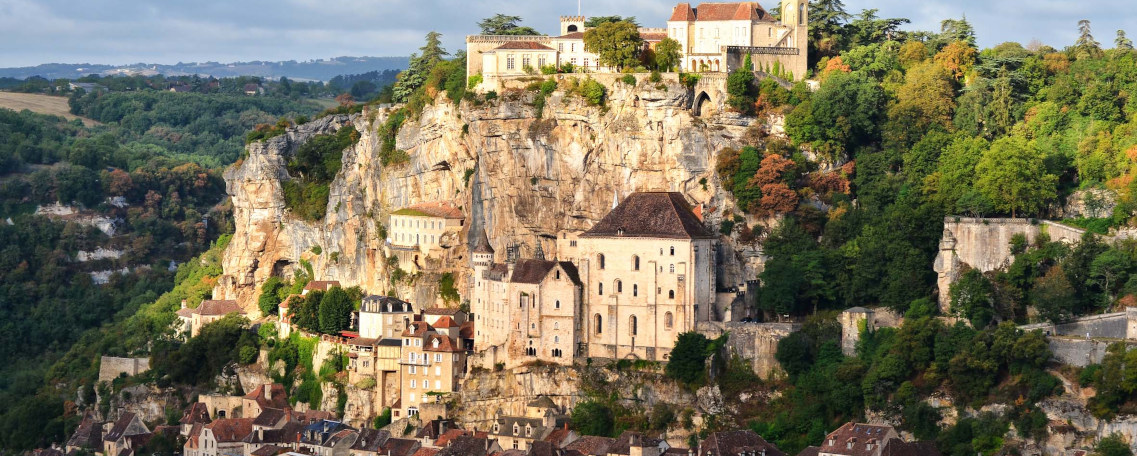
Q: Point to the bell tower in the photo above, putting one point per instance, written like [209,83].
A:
[571,24]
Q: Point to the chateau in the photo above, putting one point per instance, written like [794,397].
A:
[713,37]
[626,288]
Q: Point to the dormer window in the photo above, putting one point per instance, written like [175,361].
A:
[496,428]
[516,429]
[435,344]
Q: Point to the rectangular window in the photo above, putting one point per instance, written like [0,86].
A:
[510,62]
[560,47]
[586,62]
[437,359]
[572,47]
[525,61]
[438,385]
[412,369]
[414,383]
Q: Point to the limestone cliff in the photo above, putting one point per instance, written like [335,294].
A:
[520,175]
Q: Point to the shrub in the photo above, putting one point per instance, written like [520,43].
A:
[383,419]
[446,288]
[549,69]
[593,92]
[474,80]
[629,80]
[655,77]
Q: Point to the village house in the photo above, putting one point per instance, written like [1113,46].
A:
[423,230]
[269,395]
[124,434]
[196,413]
[319,285]
[222,437]
[383,316]
[432,365]
[209,311]
[376,359]
[370,442]
[649,272]
[87,437]
[542,418]
[470,446]
[399,447]
[858,439]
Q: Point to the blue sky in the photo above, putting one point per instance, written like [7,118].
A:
[168,31]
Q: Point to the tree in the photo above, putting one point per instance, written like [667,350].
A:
[739,87]
[953,30]
[687,363]
[1113,445]
[596,21]
[869,29]
[1013,176]
[972,297]
[958,57]
[926,100]
[826,25]
[419,68]
[269,300]
[1122,42]
[1085,37]
[501,24]
[667,54]
[1053,296]
[335,311]
[592,418]
[617,44]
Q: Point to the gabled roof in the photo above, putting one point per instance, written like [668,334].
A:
[810,451]
[186,312]
[417,328]
[230,429]
[218,307]
[370,440]
[195,433]
[592,445]
[433,429]
[445,344]
[732,443]
[277,399]
[859,436]
[269,417]
[534,271]
[195,413]
[88,435]
[682,12]
[122,428]
[630,439]
[572,36]
[424,451]
[321,285]
[445,322]
[542,402]
[525,45]
[466,331]
[400,447]
[468,446]
[441,311]
[897,447]
[269,450]
[448,436]
[741,11]
[663,215]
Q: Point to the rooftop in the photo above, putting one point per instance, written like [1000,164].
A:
[651,215]
[439,209]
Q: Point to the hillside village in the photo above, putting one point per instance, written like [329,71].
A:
[519,269]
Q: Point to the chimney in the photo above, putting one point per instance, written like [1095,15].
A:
[183,303]
[268,391]
[261,434]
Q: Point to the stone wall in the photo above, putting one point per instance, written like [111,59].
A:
[111,367]
[1105,326]
[754,342]
[985,244]
[1081,352]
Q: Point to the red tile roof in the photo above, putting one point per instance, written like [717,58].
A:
[683,12]
[231,430]
[572,36]
[196,413]
[529,45]
[321,285]
[445,344]
[467,330]
[278,398]
[441,311]
[445,322]
[417,328]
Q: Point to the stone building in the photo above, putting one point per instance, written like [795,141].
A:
[422,230]
[542,418]
[383,316]
[857,439]
[124,434]
[648,269]
[432,365]
[716,36]
[524,310]
[192,319]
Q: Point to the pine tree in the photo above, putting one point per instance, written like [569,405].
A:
[419,68]
[1122,42]
[1085,38]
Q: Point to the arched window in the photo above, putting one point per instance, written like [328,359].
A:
[671,269]
[572,28]
[558,274]
[556,339]
[635,290]
[600,260]
[557,305]
[556,325]
[599,324]
[632,323]
[670,294]
[635,262]
[619,286]
[801,14]
[668,320]
[672,250]
[600,290]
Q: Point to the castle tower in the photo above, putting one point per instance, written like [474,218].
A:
[572,24]
[795,14]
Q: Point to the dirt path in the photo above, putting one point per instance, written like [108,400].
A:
[43,104]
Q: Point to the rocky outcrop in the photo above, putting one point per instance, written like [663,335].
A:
[522,176]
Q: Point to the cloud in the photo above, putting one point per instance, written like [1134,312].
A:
[131,31]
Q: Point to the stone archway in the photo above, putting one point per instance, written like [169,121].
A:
[697,108]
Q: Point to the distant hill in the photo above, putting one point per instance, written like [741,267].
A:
[322,70]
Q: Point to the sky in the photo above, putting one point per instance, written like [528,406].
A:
[169,31]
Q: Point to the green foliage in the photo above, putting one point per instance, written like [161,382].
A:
[202,358]
[591,417]
[1012,175]
[667,55]
[739,87]
[446,288]
[335,311]
[474,81]
[972,298]
[270,299]
[313,167]
[383,419]
[629,79]
[1112,445]
[616,44]
[501,24]
[687,363]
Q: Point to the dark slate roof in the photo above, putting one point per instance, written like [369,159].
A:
[389,342]
[467,446]
[897,447]
[505,427]
[810,451]
[195,413]
[663,215]
[121,425]
[400,447]
[285,435]
[370,440]
[737,443]
[539,448]
[534,271]
[269,417]
[434,428]
[860,435]
[88,435]
[381,304]
[269,450]
[630,439]
[542,402]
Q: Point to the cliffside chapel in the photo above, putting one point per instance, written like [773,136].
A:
[626,288]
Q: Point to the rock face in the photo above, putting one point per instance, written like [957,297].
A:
[521,175]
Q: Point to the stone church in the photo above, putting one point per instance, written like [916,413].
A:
[626,288]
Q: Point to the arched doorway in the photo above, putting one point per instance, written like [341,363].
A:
[697,108]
